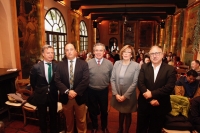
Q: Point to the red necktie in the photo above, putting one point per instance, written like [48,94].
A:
[98,62]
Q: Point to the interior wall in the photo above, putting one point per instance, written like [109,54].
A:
[125,35]
[7,45]
[105,36]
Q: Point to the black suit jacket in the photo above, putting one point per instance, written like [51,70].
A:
[81,80]
[161,89]
[40,85]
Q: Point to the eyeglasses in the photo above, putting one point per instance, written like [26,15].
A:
[155,54]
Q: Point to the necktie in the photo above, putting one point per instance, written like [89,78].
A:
[71,79]
[49,72]
[98,62]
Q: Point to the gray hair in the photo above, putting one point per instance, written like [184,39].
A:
[46,47]
[156,46]
[99,44]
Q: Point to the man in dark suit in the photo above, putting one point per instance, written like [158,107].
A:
[156,82]
[72,79]
[45,92]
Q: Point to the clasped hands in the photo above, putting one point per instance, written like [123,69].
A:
[120,98]
[148,95]
[72,94]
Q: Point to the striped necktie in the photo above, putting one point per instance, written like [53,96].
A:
[71,79]
[98,62]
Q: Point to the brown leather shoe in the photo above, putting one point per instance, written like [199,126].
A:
[105,131]
[94,131]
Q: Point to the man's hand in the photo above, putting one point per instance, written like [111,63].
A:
[154,102]
[147,94]
[72,94]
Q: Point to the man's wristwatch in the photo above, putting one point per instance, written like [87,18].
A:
[67,91]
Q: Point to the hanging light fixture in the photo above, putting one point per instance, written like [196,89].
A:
[125,16]
[125,19]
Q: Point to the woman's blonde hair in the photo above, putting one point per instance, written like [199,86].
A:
[127,47]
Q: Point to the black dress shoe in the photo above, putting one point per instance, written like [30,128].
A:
[105,131]
[94,131]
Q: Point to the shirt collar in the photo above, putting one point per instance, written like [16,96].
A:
[158,66]
[46,62]
[72,60]
[98,59]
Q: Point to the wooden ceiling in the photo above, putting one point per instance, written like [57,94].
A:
[132,9]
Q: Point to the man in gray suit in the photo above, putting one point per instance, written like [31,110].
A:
[156,82]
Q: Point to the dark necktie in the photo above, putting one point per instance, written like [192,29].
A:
[71,79]
[49,72]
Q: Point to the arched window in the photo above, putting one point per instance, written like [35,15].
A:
[83,36]
[55,30]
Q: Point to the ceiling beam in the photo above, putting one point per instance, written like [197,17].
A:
[76,4]
[168,10]
[129,15]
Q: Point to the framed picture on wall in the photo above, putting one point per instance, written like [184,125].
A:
[113,27]
[146,34]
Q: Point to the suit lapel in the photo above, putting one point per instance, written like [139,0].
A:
[151,73]
[42,68]
[53,70]
[160,72]
[76,68]
[66,68]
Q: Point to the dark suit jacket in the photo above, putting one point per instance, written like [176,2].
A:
[81,80]
[194,114]
[161,89]
[40,85]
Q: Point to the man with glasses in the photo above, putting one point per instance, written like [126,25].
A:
[156,82]
[100,72]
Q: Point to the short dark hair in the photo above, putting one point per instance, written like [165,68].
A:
[71,44]
[192,73]
[197,61]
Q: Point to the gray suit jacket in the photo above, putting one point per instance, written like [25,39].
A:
[128,89]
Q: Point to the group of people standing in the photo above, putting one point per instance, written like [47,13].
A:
[84,84]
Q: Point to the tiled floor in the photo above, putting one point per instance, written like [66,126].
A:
[15,125]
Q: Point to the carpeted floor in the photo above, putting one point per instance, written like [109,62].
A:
[15,125]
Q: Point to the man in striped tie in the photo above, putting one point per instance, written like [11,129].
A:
[72,79]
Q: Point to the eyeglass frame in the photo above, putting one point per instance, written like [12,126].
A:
[155,54]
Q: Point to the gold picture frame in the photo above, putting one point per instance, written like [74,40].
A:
[113,28]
